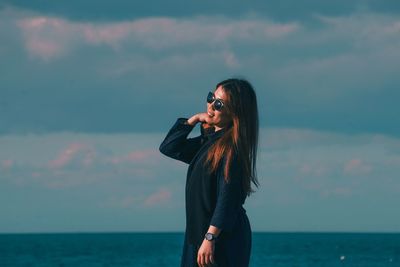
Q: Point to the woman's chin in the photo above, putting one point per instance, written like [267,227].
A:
[207,125]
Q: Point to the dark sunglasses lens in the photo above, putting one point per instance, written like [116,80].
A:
[210,97]
[218,105]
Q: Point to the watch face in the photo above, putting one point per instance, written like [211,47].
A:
[209,236]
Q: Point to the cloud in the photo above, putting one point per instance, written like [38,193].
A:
[161,197]
[165,32]
[353,53]
[337,192]
[357,166]
[139,200]
[83,160]
[363,29]
[50,37]
[138,156]
[306,74]
[299,169]
[44,36]
[7,164]
[309,164]
[317,170]
[124,202]
[71,152]
[230,59]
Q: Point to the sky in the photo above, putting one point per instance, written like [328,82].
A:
[89,89]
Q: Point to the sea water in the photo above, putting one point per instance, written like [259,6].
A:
[164,249]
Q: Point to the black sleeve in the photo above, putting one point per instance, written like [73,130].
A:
[176,145]
[229,198]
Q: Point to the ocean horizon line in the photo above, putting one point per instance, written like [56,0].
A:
[182,232]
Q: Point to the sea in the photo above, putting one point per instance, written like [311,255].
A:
[164,249]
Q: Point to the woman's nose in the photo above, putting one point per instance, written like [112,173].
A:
[212,106]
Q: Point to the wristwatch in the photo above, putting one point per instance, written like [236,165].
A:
[210,236]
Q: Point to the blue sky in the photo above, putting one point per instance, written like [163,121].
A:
[88,90]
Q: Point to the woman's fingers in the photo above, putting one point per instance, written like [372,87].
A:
[211,259]
[204,260]
[205,254]
[200,260]
[204,117]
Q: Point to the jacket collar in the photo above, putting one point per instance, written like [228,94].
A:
[210,133]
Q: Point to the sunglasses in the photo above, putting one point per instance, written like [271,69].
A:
[217,103]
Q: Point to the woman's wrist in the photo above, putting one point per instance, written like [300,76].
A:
[214,230]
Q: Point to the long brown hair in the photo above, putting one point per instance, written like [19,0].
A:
[240,139]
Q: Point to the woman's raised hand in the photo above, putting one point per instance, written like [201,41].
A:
[200,117]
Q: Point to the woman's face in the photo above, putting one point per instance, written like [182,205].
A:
[219,119]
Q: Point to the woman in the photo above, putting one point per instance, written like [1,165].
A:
[222,165]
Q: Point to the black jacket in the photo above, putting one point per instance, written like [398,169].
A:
[209,199]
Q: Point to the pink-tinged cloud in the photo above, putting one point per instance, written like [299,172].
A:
[162,196]
[89,157]
[230,59]
[306,169]
[317,170]
[46,37]
[110,34]
[138,156]
[36,174]
[49,37]
[46,49]
[356,166]
[141,155]
[121,202]
[66,155]
[7,164]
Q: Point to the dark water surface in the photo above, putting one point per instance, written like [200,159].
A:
[164,249]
